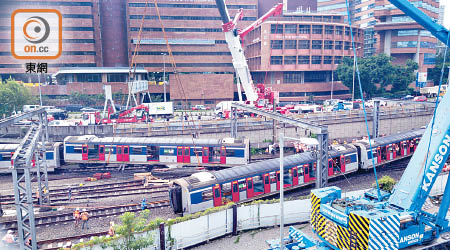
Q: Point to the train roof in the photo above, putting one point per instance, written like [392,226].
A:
[9,147]
[396,138]
[337,150]
[166,141]
[262,166]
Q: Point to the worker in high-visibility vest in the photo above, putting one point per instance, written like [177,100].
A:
[9,238]
[77,217]
[85,218]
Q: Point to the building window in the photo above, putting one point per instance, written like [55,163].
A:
[429,58]
[328,44]
[337,19]
[276,44]
[327,19]
[304,29]
[89,78]
[276,60]
[290,29]
[405,44]
[327,59]
[290,44]
[317,29]
[428,45]
[117,77]
[347,31]
[303,44]
[329,30]
[290,60]
[338,45]
[292,77]
[276,29]
[317,44]
[303,59]
[316,59]
[337,59]
[347,45]
[338,30]
[407,32]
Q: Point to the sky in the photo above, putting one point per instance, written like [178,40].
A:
[446,12]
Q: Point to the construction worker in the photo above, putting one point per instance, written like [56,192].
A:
[69,194]
[9,238]
[144,204]
[38,196]
[77,217]
[85,218]
[111,231]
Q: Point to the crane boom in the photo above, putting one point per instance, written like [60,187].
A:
[234,37]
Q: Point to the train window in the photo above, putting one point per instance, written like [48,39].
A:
[186,151]
[278,176]
[77,150]
[125,150]
[348,159]
[6,156]
[249,184]
[108,150]
[137,150]
[167,151]
[119,150]
[153,153]
[235,188]
[216,193]
[231,153]
[85,150]
[266,179]
[198,152]
[102,150]
[207,195]
[93,152]
[294,172]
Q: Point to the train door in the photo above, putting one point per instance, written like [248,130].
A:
[84,152]
[12,161]
[278,180]
[306,171]
[294,176]
[330,167]
[180,154]
[378,155]
[217,196]
[119,153]
[388,152]
[126,153]
[235,191]
[394,150]
[187,154]
[101,153]
[266,181]
[342,160]
[402,148]
[205,156]
[250,190]
[223,155]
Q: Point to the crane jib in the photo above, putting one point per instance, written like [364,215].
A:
[440,157]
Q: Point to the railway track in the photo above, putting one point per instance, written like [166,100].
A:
[95,191]
[41,220]
[54,244]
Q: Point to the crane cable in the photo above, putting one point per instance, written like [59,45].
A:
[174,66]
[362,98]
[435,108]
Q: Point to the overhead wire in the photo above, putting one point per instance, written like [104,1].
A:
[177,77]
[362,98]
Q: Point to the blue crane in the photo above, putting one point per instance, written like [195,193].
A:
[390,220]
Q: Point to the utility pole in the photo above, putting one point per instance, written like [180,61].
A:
[353,85]
[332,83]
[164,75]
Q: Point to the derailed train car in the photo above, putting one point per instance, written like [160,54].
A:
[242,183]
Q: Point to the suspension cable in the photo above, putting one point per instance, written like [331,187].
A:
[362,98]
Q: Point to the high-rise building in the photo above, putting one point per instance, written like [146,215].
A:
[296,54]
[403,38]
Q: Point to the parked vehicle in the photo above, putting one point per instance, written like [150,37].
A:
[88,109]
[58,114]
[199,107]
[421,98]
[74,107]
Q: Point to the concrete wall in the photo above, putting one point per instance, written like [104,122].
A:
[342,125]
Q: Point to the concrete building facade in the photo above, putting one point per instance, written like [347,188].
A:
[296,55]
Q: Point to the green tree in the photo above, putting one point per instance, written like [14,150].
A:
[13,96]
[376,71]
[386,183]
[132,224]
[435,73]
[85,99]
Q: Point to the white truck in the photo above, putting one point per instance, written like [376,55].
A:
[433,91]
[224,107]
[160,108]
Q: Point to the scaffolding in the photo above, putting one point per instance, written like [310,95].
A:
[29,157]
